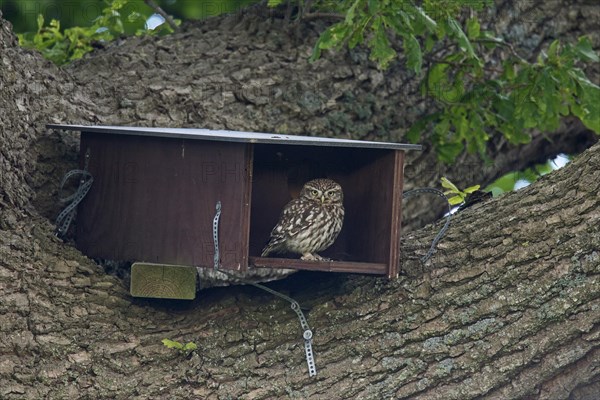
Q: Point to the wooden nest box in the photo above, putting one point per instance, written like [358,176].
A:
[155,190]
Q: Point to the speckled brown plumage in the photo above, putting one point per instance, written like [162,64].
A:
[310,223]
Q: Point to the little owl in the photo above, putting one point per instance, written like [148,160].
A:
[310,223]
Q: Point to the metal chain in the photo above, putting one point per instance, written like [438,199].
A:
[438,237]
[66,216]
[216,235]
[307,333]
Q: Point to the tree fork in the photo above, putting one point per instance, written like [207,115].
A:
[507,308]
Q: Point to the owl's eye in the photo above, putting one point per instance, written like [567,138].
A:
[315,192]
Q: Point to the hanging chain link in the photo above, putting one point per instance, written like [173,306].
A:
[66,216]
[307,333]
[216,235]
[438,237]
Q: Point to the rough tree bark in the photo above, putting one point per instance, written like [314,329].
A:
[249,71]
[508,308]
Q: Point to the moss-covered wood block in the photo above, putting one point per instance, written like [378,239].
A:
[163,281]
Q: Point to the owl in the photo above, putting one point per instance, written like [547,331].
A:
[310,223]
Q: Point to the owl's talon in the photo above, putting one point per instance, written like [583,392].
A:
[309,257]
[313,257]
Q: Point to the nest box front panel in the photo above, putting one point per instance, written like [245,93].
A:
[153,199]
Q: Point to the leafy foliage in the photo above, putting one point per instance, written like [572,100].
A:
[427,23]
[475,98]
[63,46]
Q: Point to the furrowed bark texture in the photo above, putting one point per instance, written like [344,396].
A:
[507,308]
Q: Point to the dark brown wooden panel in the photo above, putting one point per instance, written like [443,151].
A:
[153,199]
[329,266]
[396,214]
[368,201]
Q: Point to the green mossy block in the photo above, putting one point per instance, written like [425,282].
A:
[163,281]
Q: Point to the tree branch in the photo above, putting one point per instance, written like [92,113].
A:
[322,15]
[504,44]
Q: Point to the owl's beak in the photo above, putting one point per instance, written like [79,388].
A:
[323,199]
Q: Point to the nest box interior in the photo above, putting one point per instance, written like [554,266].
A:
[155,190]
[372,183]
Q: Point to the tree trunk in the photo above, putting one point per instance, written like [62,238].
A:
[511,310]
[507,308]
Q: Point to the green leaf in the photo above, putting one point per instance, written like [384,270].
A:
[473,28]
[351,12]
[40,22]
[356,38]
[461,123]
[591,117]
[448,152]
[374,6]
[190,346]
[463,40]
[414,133]
[118,4]
[455,200]
[172,344]
[587,107]
[316,53]
[581,79]
[442,127]
[333,36]
[381,51]
[554,51]
[585,50]
[55,25]
[414,56]
[429,43]
[437,74]
[423,18]
[449,185]
[437,81]
[509,70]
[472,189]
[134,16]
